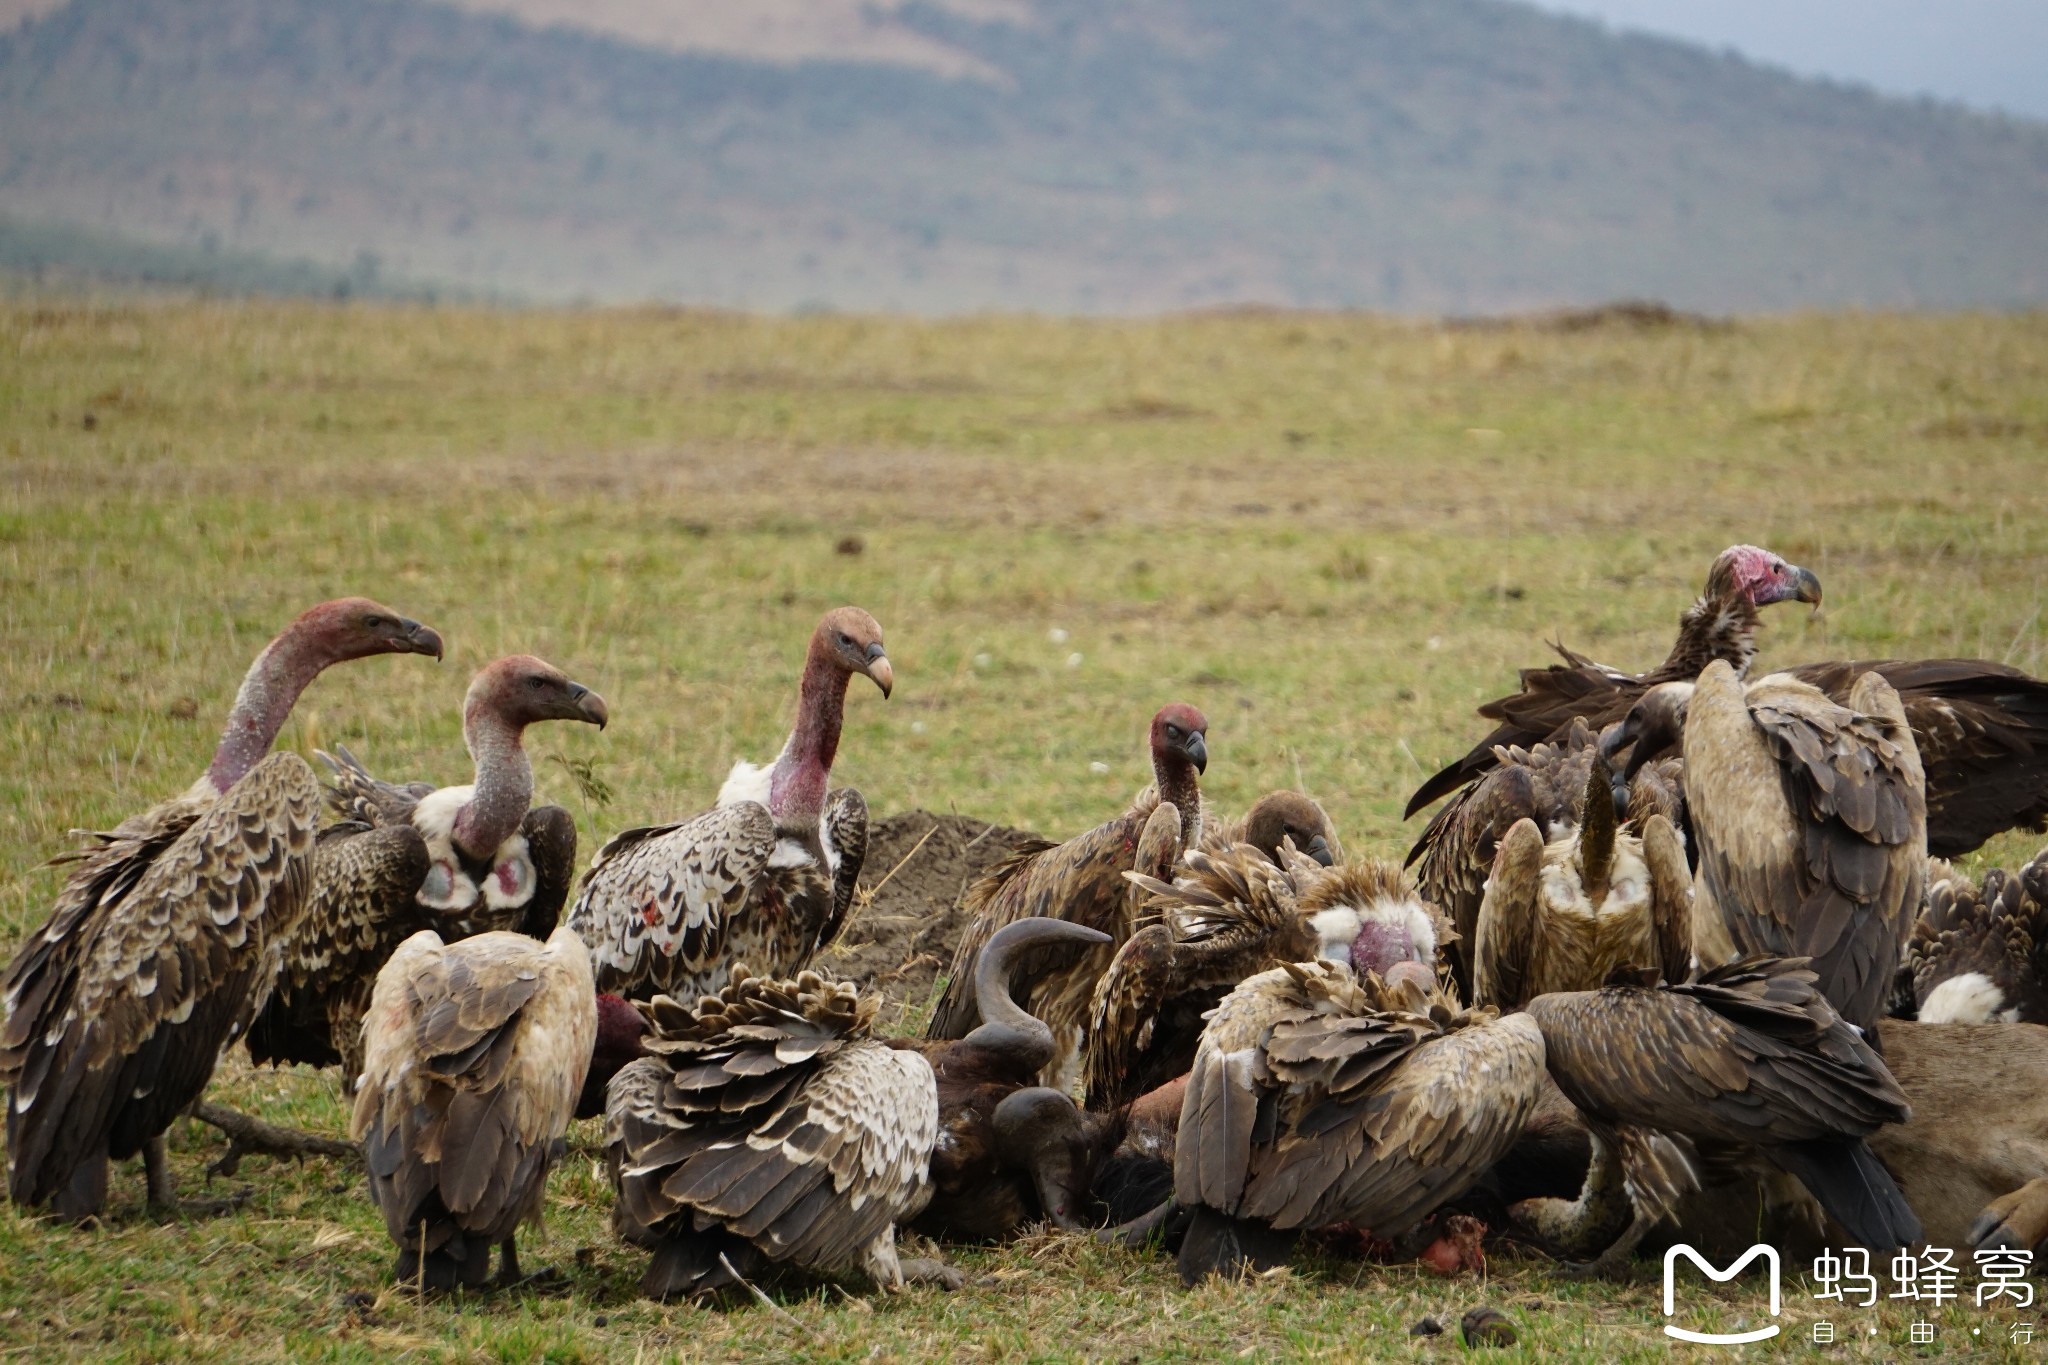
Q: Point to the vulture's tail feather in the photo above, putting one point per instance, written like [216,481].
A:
[1855,1190]
[1234,1248]
[1130,1185]
[690,1264]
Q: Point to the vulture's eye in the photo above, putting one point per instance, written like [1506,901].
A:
[373,622]
[845,641]
[1173,732]
[536,684]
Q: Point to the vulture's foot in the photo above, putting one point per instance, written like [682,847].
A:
[509,1276]
[931,1271]
[2015,1222]
[1613,1262]
[164,1203]
[1161,1227]
[250,1136]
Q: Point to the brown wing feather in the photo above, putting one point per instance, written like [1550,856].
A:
[550,834]
[118,1022]
[1509,919]
[846,828]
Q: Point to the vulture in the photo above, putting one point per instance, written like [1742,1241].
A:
[1226,917]
[768,1125]
[1810,819]
[1546,784]
[1749,1057]
[473,1056]
[1081,881]
[1274,819]
[1981,727]
[1562,915]
[764,877]
[1009,1150]
[1322,1094]
[458,860]
[1721,624]
[166,936]
[1977,951]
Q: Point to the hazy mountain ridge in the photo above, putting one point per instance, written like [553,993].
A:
[1445,155]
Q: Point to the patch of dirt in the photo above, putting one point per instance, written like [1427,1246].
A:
[906,917]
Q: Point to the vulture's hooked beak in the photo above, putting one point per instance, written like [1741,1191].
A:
[880,670]
[420,639]
[589,706]
[1805,587]
[1197,750]
[1319,849]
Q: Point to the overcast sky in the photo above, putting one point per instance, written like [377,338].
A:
[1989,53]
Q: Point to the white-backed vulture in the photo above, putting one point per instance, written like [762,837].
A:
[1545,784]
[1562,915]
[1978,949]
[459,860]
[1082,881]
[763,878]
[1809,819]
[1749,1056]
[768,1125]
[1320,1096]
[165,938]
[1721,624]
[473,1056]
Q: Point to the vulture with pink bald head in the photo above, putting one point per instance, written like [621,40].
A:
[1082,881]
[766,876]
[459,860]
[165,936]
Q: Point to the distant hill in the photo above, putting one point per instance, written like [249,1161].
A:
[941,155]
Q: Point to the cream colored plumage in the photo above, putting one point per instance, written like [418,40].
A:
[473,1055]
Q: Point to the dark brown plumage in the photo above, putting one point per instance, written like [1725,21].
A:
[1979,950]
[474,1053]
[1810,822]
[1319,1097]
[1749,1055]
[766,876]
[457,860]
[1082,881]
[1273,820]
[163,941]
[1720,624]
[768,1124]
[1546,785]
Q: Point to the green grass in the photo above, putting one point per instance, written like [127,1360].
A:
[1334,534]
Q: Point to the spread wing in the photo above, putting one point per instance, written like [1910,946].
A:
[1750,1053]
[118,1008]
[1550,701]
[1982,732]
[766,1115]
[658,903]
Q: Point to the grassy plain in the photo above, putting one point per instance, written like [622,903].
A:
[1336,534]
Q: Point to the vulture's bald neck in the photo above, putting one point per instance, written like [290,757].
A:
[504,780]
[803,770]
[285,668]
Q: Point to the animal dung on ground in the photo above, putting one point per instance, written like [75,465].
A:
[1487,1327]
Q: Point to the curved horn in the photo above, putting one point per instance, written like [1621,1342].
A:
[1596,832]
[1006,1029]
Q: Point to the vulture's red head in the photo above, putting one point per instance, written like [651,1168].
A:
[851,640]
[1179,732]
[1760,577]
[356,628]
[522,690]
[620,1030]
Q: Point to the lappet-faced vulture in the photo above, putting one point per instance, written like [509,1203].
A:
[165,938]
[1721,624]
[765,877]
[1809,818]
[458,860]
[474,1053]
[1082,881]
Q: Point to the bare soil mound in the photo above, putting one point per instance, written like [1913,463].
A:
[906,918]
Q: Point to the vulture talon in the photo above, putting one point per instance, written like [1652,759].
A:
[934,1273]
[250,1136]
[1154,1229]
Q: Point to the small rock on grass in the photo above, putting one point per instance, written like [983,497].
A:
[1428,1327]
[1487,1327]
